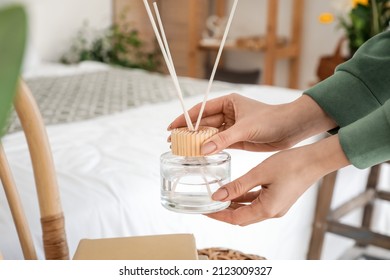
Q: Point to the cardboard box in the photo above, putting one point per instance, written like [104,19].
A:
[154,247]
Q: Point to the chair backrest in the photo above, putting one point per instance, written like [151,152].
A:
[52,218]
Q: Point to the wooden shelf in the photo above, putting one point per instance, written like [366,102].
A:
[273,47]
[253,44]
[185,23]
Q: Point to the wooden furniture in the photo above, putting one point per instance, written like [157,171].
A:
[52,219]
[184,22]
[169,246]
[273,47]
[328,220]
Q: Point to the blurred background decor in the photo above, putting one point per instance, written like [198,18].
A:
[359,20]
[363,20]
[13,29]
[115,45]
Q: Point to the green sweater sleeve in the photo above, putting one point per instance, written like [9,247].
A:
[356,98]
[366,142]
[360,85]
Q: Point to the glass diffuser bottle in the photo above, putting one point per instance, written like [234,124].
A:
[189,179]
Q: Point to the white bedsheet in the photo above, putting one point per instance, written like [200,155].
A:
[108,172]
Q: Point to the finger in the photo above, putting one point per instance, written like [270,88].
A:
[235,205]
[257,220]
[213,121]
[244,214]
[222,216]
[253,147]
[213,106]
[265,217]
[240,216]
[222,140]
[247,197]
[180,121]
[264,208]
[240,186]
[244,219]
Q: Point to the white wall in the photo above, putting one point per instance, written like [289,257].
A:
[59,21]
[318,39]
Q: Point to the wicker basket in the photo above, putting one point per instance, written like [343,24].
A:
[227,254]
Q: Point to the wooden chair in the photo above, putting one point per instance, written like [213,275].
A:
[52,218]
[328,220]
[169,246]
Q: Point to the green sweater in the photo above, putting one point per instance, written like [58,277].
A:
[357,98]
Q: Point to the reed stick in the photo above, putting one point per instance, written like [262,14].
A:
[170,66]
[216,63]
[164,37]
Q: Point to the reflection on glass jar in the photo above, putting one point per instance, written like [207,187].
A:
[187,183]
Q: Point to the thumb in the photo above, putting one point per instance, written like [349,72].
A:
[238,187]
[220,141]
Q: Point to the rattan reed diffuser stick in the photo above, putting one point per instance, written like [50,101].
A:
[170,65]
[216,63]
[164,37]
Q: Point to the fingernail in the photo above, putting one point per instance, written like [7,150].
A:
[169,139]
[169,127]
[208,148]
[220,194]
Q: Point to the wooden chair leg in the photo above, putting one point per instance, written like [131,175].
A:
[16,208]
[296,39]
[271,39]
[324,198]
[52,220]
[372,183]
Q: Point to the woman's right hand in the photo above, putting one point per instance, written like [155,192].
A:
[251,125]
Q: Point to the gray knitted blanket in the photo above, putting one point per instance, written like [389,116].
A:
[79,97]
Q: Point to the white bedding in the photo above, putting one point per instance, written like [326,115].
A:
[108,172]
[55,69]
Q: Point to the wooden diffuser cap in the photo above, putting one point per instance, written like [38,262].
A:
[187,143]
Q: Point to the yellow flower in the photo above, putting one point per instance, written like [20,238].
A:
[326,18]
[361,2]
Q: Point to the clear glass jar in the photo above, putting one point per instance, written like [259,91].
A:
[187,183]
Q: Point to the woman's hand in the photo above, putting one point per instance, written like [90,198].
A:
[283,178]
[251,125]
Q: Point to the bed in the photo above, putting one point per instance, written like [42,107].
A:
[107,130]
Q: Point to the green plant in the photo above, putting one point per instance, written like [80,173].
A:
[365,19]
[116,45]
[360,19]
[13,28]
